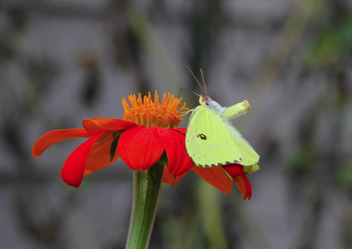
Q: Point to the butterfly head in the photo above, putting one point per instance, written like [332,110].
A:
[211,104]
[204,99]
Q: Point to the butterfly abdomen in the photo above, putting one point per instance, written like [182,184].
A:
[236,110]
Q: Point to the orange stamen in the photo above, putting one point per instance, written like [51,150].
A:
[145,111]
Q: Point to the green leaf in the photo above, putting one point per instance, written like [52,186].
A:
[226,173]
[101,139]
[113,147]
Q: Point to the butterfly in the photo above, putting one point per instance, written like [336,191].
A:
[211,140]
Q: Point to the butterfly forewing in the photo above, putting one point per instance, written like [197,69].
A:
[208,141]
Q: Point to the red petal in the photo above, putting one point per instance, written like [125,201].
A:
[244,186]
[187,162]
[100,124]
[170,179]
[140,147]
[181,130]
[234,170]
[73,169]
[56,136]
[216,177]
[240,178]
[99,155]
[174,143]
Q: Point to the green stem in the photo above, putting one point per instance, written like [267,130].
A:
[145,197]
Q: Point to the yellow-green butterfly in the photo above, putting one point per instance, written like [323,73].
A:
[211,140]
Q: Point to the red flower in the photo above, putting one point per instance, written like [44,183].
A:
[240,178]
[148,130]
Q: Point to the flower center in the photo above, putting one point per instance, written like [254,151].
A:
[148,113]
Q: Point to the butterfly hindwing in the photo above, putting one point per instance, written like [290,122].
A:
[208,140]
[249,156]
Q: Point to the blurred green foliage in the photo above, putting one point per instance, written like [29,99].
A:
[344,175]
[303,161]
[211,215]
[333,44]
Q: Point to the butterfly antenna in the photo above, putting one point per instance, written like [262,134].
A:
[205,87]
[196,79]
[179,93]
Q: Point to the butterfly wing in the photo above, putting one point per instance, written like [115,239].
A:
[208,141]
[249,156]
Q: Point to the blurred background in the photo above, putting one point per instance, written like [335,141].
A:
[65,60]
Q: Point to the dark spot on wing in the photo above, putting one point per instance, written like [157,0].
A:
[202,136]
